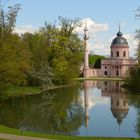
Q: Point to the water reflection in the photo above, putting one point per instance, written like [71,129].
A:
[56,112]
[113,91]
[94,108]
[86,102]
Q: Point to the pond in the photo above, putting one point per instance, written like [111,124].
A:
[92,108]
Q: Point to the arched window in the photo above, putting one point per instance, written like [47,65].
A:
[105,73]
[111,54]
[117,53]
[117,102]
[117,73]
[124,54]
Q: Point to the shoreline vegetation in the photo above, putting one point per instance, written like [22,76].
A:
[8,130]
[25,91]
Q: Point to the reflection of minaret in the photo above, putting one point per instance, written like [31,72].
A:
[119,106]
[86,65]
[86,102]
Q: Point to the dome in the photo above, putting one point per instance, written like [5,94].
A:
[119,115]
[119,40]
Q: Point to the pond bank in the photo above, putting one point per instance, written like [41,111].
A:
[27,91]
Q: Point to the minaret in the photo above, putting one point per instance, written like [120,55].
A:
[86,65]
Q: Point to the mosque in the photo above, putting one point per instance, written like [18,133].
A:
[117,65]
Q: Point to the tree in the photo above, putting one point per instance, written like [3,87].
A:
[137,36]
[15,62]
[138,53]
[7,21]
[68,25]
[57,48]
[133,80]
[95,60]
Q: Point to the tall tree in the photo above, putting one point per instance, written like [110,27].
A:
[15,62]
[14,54]
[57,49]
[7,21]
[133,79]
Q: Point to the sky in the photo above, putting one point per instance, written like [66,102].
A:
[103,19]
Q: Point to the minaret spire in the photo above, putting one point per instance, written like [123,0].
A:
[86,65]
[119,32]
[119,28]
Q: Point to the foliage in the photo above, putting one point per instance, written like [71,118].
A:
[7,21]
[14,62]
[138,53]
[95,60]
[56,49]
[50,56]
[133,80]
[14,54]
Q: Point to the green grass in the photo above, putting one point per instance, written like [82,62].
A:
[101,78]
[4,129]
[19,91]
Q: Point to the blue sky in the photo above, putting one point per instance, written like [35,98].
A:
[104,12]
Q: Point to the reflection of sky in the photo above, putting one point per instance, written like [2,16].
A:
[101,120]
[94,97]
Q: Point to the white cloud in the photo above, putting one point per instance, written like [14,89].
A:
[92,26]
[24,29]
[93,98]
[100,48]
[95,45]
[132,42]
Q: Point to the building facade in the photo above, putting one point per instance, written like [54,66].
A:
[118,64]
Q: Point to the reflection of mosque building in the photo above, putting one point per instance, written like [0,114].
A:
[119,101]
[119,106]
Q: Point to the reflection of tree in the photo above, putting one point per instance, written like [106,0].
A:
[56,111]
[135,101]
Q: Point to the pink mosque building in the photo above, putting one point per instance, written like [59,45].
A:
[117,65]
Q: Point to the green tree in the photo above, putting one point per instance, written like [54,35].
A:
[14,62]
[95,60]
[57,48]
[7,21]
[133,80]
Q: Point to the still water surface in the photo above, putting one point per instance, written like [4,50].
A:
[93,108]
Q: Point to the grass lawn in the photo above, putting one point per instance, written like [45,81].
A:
[4,129]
